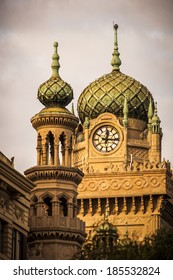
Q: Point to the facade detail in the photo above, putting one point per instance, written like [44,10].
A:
[55,231]
[14,208]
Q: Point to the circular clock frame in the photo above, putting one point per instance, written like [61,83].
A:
[106,138]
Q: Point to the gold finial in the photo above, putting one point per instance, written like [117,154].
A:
[116,61]
[55,62]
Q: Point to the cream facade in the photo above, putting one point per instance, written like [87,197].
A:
[14,210]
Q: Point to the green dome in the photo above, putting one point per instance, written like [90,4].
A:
[55,92]
[106,228]
[108,93]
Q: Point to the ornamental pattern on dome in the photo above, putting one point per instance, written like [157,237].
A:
[55,92]
[108,93]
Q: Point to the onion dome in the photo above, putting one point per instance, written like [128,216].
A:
[55,92]
[107,228]
[108,93]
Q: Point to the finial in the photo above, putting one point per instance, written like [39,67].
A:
[55,62]
[156,121]
[125,112]
[150,113]
[115,62]
[155,108]
[72,108]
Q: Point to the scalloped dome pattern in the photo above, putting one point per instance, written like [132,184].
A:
[107,94]
[55,92]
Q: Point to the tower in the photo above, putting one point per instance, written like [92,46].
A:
[55,230]
[118,147]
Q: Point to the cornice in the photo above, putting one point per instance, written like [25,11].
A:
[45,172]
[58,120]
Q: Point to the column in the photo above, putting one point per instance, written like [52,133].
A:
[99,206]
[44,154]
[70,210]
[56,155]
[116,205]
[90,206]
[82,207]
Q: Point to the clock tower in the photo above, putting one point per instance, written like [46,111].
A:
[118,147]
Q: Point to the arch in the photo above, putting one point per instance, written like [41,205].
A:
[63,206]
[47,204]
[62,142]
[34,201]
[50,148]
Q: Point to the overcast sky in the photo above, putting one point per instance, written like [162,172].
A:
[84,31]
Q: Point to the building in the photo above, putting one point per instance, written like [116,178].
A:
[106,161]
[14,207]
[118,147]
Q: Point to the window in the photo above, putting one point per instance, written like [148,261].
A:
[63,206]
[18,246]
[1,236]
[48,205]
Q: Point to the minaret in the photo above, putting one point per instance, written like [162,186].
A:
[155,154]
[55,230]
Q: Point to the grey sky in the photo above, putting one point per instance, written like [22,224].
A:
[84,31]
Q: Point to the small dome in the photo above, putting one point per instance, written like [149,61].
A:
[55,92]
[106,228]
[107,94]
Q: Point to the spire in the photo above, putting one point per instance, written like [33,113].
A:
[72,108]
[115,62]
[55,62]
[150,113]
[156,121]
[125,112]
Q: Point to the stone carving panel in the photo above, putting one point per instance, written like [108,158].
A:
[79,156]
[3,202]
[136,183]
[18,213]
[138,152]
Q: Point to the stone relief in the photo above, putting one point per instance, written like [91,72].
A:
[18,213]
[3,202]
[119,183]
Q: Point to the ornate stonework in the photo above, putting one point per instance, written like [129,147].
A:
[132,182]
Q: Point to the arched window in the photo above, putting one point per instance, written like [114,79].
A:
[35,200]
[50,148]
[47,205]
[62,139]
[63,207]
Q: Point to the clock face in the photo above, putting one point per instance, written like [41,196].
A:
[106,138]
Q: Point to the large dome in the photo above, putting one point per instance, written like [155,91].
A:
[107,94]
[55,92]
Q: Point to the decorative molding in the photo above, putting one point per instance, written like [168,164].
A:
[46,172]
[128,183]
[49,120]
